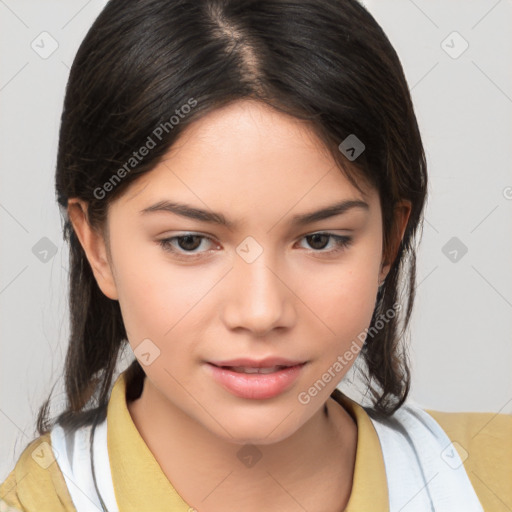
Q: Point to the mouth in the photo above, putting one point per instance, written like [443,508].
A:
[256,382]
[267,362]
[253,369]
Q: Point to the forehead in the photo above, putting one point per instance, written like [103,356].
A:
[247,156]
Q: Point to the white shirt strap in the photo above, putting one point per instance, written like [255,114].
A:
[424,471]
[72,454]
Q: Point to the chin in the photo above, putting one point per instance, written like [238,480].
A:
[256,438]
[257,429]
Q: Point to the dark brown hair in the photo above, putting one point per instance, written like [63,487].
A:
[324,61]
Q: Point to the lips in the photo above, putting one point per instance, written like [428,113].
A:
[268,362]
[250,369]
[252,379]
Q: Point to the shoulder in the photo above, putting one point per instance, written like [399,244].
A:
[484,444]
[36,482]
[481,436]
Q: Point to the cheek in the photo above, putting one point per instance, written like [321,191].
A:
[343,308]
[159,300]
[343,297]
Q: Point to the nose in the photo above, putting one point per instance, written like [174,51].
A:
[259,297]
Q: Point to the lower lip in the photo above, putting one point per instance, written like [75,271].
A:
[256,386]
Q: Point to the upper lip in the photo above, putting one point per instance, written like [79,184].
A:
[268,362]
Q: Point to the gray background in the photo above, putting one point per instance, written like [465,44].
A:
[461,328]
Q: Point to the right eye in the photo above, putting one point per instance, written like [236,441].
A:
[184,245]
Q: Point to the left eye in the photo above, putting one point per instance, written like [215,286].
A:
[186,244]
[340,242]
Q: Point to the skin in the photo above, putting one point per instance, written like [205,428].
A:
[259,168]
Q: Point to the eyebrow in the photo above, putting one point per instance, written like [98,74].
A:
[191,212]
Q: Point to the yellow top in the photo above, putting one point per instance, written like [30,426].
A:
[37,485]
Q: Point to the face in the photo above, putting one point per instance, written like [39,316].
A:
[193,291]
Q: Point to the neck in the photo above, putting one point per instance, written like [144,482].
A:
[314,465]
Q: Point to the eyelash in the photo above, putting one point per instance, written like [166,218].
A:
[342,243]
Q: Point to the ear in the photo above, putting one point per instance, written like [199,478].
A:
[401,216]
[93,243]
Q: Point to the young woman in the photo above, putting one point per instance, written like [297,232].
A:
[242,183]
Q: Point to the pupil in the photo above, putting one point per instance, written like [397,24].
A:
[188,238]
[315,239]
